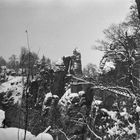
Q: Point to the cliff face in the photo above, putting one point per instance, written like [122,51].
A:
[76,63]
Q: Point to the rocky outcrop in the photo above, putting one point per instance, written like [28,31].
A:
[76,63]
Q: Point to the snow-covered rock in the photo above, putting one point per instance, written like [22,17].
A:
[49,98]
[15,134]
[19,134]
[43,136]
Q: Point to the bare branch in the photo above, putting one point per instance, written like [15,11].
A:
[93,132]
[46,130]
[88,128]
[66,135]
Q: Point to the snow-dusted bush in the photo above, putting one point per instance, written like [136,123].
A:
[72,108]
[117,120]
[109,65]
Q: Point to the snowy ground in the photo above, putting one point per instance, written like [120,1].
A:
[13,88]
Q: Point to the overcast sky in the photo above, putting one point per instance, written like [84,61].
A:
[56,27]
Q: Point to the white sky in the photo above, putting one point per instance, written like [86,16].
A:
[58,26]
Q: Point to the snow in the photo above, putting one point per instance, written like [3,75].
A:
[81,93]
[18,134]
[68,97]
[112,114]
[59,62]
[138,109]
[114,130]
[44,136]
[15,86]
[2,117]
[125,114]
[68,102]
[109,65]
[14,134]
[12,82]
[47,96]
[131,129]
[97,102]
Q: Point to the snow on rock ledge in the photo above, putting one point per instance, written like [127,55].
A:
[70,98]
